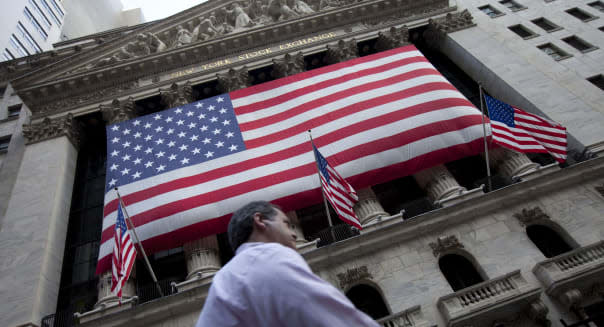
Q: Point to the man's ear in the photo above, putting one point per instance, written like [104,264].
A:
[258,221]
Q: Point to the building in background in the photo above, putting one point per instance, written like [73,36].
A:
[437,247]
[29,27]
[85,17]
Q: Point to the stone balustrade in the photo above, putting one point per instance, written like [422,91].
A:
[412,317]
[488,301]
[580,267]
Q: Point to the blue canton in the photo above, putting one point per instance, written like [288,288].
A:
[120,222]
[175,138]
[322,162]
[500,111]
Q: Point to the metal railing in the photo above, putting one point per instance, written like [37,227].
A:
[335,234]
[149,292]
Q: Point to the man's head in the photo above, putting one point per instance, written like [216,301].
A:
[260,221]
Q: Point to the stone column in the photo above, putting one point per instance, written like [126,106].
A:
[203,261]
[234,80]
[34,229]
[511,163]
[368,208]
[177,95]
[289,65]
[438,183]
[344,50]
[116,112]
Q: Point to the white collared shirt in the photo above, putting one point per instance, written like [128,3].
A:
[268,284]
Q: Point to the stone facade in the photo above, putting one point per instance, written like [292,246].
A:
[108,78]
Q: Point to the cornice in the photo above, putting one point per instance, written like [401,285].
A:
[372,14]
[53,128]
[380,234]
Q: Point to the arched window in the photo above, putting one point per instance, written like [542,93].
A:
[368,300]
[549,242]
[459,271]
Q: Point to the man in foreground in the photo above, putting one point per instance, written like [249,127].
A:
[268,283]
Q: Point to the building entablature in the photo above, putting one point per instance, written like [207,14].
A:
[54,90]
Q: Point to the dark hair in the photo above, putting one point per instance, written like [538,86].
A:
[242,222]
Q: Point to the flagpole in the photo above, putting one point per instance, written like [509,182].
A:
[484,138]
[320,183]
[140,245]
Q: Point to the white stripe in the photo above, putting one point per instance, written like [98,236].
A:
[379,160]
[278,91]
[542,128]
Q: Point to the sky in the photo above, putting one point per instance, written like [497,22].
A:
[156,9]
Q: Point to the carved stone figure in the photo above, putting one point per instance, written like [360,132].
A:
[157,45]
[239,15]
[329,4]
[279,10]
[300,7]
[183,36]
[205,30]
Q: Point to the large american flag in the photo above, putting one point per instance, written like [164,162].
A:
[524,132]
[337,191]
[183,171]
[124,254]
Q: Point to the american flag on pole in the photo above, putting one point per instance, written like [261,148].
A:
[524,132]
[183,171]
[124,254]
[338,192]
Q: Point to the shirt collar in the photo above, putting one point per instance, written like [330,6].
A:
[247,245]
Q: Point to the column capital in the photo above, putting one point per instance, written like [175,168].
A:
[203,261]
[394,38]
[438,183]
[50,128]
[289,65]
[177,94]
[234,79]
[368,208]
[118,111]
[511,163]
[342,51]
[438,28]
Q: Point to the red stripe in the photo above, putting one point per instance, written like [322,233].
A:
[311,73]
[354,108]
[336,81]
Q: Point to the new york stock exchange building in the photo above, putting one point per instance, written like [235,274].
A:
[441,243]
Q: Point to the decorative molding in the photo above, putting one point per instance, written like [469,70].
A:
[118,111]
[234,79]
[53,128]
[600,189]
[537,311]
[344,50]
[177,95]
[444,244]
[354,275]
[572,298]
[66,104]
[531,216]
[289,65]
[452,22]
[396,37]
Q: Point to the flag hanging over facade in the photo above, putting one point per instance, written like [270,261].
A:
[124,254]
[338,192]
[524,132]
[183,171]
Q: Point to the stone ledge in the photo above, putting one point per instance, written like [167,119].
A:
[412,317]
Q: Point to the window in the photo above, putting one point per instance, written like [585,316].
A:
[579,44]
[4,142]
[7,55]
[598,81]
[597,5]
[546,25]
[601,28]
[13,111]
[58,8]
[553,51]
[52,14]
[2,90]
[492,12]
[18,46]
[35,23]
[368,300]
[30,40]
[522,31]
[548,241]
[37,9]
[512,5]
[459,271]
[580,14]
